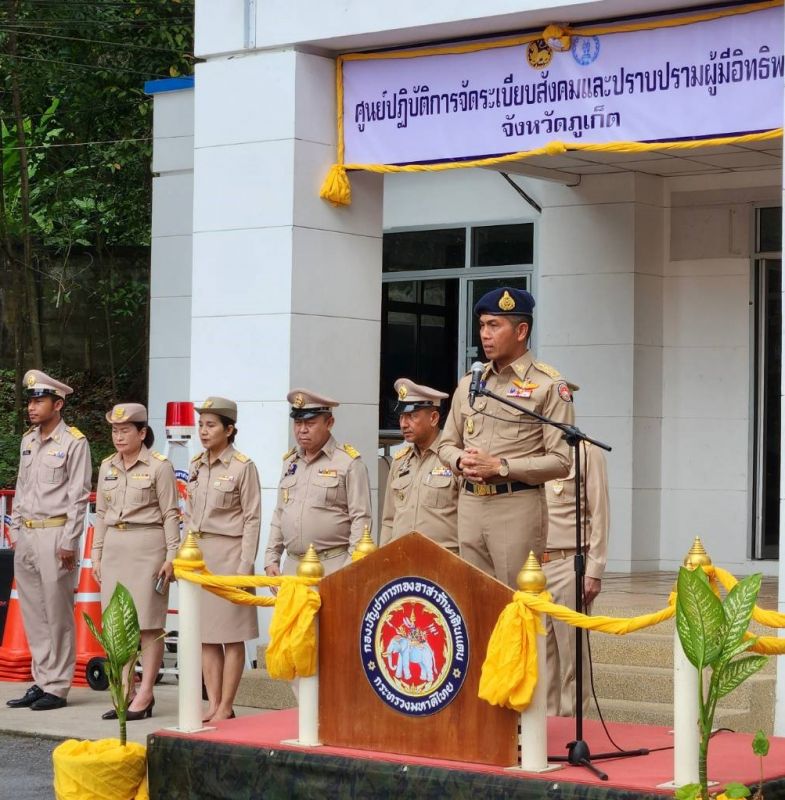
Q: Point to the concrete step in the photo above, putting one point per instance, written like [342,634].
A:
[634,711]
[635,649]
[655,685]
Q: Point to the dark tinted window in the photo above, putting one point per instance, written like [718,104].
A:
[770,230]
[498,245]
[439,249]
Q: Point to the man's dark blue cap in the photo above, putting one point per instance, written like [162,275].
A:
[505,301]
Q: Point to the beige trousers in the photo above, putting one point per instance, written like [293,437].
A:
[46,599]
[560,644]
[496,533]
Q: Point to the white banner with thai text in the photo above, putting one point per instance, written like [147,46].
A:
[715,78]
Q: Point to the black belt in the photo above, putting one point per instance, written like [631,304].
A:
[489,489]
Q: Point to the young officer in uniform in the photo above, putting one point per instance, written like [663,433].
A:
[422,494]
[137,533]
[504,456]
[558,563]
[50,504]
[324,495]
[224,511]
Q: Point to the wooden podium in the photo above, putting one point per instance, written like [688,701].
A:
[402,637]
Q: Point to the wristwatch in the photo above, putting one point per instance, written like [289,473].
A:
[504,468]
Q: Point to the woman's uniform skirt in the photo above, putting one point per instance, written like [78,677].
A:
[224,622]
[133,557]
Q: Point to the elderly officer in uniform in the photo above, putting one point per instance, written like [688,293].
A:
[52,492]
[558,563]
[324,496]
[505,457]
[422,494]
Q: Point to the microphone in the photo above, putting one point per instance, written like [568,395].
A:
[474,386]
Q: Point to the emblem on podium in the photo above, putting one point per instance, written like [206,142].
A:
[414,646]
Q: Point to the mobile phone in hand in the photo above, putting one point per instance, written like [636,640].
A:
[161,584]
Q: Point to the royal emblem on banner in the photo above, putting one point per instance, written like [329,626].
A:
[414,646]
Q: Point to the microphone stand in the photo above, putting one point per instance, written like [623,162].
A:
[578,752]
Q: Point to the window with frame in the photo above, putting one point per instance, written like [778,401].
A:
[430,282]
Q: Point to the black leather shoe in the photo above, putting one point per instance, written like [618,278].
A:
[30,696]
[48,702]
[110,714]
[131,716]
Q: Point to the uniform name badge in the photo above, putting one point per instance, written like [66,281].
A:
[442,472]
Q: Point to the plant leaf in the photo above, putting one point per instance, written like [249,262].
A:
[736,790]
[687,792]
[121,628]
[760,744]
[735,672]
[93,629]
[740,648]
[702,614]
[738,608]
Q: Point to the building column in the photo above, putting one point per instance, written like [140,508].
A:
[599,309]
[286,288]
[170,247]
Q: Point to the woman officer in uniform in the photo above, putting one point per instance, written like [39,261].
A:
[224,509]
[137,533]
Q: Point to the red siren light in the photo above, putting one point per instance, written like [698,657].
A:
[180,415]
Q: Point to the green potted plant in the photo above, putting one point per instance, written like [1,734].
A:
[713,634]
[87,768]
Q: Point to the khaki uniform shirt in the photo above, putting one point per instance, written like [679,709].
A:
[595,506]
[224,497]
[535,452]
[53,481]
[144,494]
[326,502]
[421,495]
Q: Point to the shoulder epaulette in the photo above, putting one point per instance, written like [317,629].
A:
[241,457]
[108,458]
[159,456]
[550,371]
[75,432]
[289,453]
[31,429]
[197,456]
[404,451]
[351,451]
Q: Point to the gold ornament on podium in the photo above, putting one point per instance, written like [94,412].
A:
[531,578]
[365,546]
[310,566]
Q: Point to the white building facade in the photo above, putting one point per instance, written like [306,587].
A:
[657,277]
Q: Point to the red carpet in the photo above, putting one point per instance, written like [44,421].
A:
[730,754]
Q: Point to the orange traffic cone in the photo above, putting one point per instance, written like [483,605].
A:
[15,658]
[88,599]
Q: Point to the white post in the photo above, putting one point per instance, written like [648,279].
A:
[534,723]
[189,659]
[308,710]
[686,735]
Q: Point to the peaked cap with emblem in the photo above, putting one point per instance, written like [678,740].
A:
[504,301]
[39,384]
[127,412]
[412,396]
[219,405]
[306,404]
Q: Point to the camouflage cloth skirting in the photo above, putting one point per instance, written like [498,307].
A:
[189,769]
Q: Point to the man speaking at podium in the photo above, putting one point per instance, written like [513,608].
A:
[504,456]
[422,494]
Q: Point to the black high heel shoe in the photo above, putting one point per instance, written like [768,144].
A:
[110,714]
[143,714]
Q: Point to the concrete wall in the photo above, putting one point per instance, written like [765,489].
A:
[170,275]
